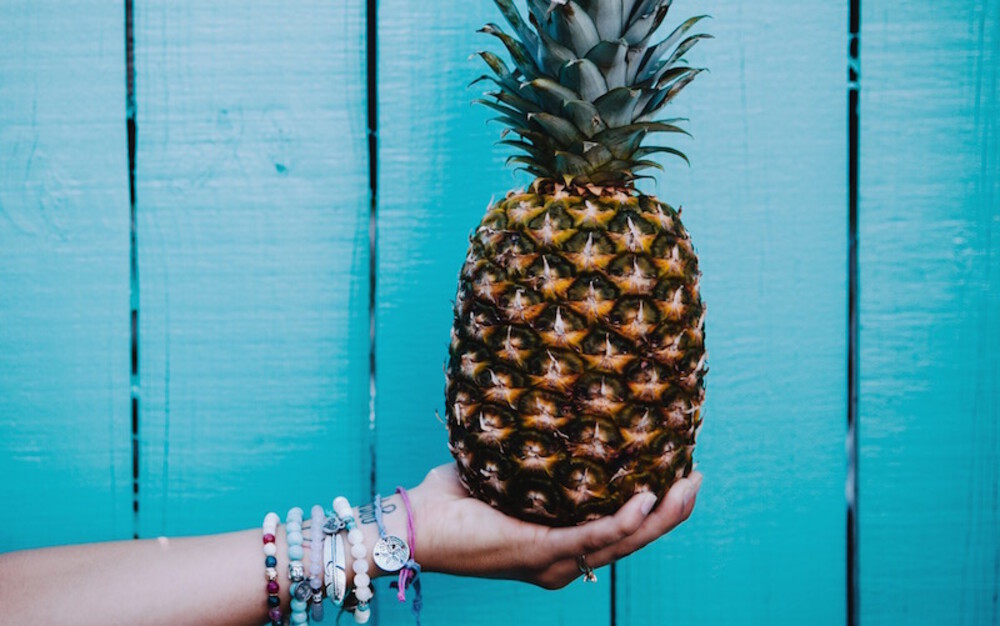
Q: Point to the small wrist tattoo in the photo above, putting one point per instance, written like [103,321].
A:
[366,512]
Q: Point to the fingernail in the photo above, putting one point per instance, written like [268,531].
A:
[648,501]
[689,494]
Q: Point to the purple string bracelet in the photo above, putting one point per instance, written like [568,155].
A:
[411,570]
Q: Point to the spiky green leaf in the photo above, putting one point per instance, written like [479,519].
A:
[607,16]
[516,22]
[586,117]
[551,93]
[563,131]
[655,53]
[522,58]
[651,150]
[609,57]
[618,105]
[597,154]
[569,163]
[585,78]
[572,25]
[642,29]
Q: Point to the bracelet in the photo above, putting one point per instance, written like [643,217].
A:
[362,582]
[271,568]
[390,552]
[410,572]
[316,561]
[296,572]
[335,569]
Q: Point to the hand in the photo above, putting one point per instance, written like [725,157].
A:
[458,534]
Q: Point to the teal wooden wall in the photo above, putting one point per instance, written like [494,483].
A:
[252,286]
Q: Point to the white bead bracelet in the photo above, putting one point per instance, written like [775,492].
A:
[362,582]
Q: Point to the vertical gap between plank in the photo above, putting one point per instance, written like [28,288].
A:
[853,358]
[130,110]
[371,73]
[371,66]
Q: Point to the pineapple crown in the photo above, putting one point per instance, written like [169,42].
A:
[587,87]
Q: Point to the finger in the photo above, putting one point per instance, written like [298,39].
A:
[675,508]
[564,571]
[598,534]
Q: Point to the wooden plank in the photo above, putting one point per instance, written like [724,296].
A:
[930,313]
[438,171]
[253,207]
[766,204]
[64,283]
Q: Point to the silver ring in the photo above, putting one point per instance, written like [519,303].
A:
[587,571]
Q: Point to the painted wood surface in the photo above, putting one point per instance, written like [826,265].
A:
[253,236]
[253,252]
[930,313]
[64,285]
[765,201]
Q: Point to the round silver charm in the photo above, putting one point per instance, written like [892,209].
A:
[391,553]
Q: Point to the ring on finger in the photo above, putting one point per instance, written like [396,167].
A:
[587,571]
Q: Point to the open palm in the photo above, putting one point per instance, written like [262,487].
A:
[459,534]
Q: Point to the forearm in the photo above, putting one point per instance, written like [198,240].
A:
[154,581]
[218,579]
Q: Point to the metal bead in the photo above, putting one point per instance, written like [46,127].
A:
[301,592]
[334,525]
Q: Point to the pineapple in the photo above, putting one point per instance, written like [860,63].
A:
[577,359]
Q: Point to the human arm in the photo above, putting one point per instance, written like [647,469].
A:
[219,579]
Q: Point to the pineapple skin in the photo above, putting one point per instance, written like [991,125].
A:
[577,358]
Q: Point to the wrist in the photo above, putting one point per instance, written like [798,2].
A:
[394,519]
[422,528]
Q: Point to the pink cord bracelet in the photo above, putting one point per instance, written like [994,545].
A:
[411,570]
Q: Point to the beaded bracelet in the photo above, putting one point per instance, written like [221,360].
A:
[270,528]
[296,572]
[316,561]
[362,582]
